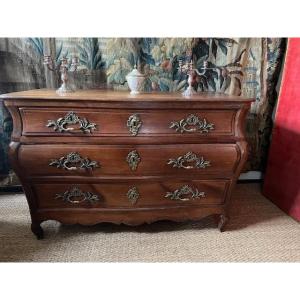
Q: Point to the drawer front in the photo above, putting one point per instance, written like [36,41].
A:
[130,194]
[138,160]
[136,123]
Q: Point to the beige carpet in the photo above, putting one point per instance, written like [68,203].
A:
[258,232]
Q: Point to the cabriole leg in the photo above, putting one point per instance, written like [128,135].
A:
[37,230]
[222,222]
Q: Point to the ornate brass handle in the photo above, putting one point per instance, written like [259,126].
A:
[133,195]
[184,191]
[71,119]
[189,157]
[75,160]
[75,196]
[134,123]
[192,123]
[133,159]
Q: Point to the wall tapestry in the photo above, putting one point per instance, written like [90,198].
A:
[240,66]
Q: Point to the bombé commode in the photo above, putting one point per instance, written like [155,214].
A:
[103,156]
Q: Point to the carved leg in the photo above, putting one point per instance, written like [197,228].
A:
[37,230]
[222,222]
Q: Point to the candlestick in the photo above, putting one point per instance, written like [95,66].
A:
[63,68]
[188,68]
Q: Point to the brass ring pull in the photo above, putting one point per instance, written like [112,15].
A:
[192,123]
[71,118]
[186,190]
[73,161]
[189,157]
[76,196]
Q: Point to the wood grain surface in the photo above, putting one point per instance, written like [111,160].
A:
[34,146]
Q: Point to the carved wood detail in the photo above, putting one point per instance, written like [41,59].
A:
[201,138]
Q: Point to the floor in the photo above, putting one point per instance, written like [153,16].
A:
[257,232]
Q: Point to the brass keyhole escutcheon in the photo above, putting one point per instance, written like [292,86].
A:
[134,123]
[133,195]
[133,159]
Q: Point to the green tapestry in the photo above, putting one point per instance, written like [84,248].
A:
[238,66]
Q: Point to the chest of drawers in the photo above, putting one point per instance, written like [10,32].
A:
[103,156]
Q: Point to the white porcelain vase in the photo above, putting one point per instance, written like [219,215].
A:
[135,81]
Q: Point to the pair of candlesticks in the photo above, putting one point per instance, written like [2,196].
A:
[63,67]
[66,65]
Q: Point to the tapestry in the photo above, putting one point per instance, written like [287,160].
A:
[237,66]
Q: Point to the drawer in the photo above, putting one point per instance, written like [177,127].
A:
[117,122]
[137,160]
[130,194]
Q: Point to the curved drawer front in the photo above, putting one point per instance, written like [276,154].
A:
[138,160]
[135,123]
[130,194]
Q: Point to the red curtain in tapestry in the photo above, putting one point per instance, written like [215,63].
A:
[282,179]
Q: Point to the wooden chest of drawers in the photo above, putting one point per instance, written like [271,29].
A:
[103,156]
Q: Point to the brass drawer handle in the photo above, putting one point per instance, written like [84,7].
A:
[133,159]
[71,119]
[134,123]
[75,196]
[73,161]
[133,195]
[192,123]
[184,191]
[189,157]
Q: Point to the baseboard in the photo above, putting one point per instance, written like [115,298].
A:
[251,175]
[11,189]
